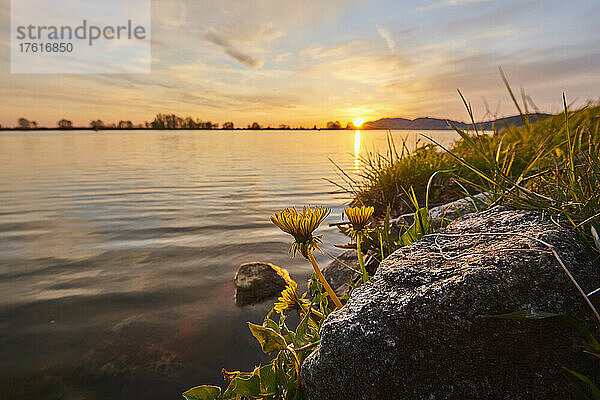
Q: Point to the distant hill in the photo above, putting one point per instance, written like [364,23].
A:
[437,123]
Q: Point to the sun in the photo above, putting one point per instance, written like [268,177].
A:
[358,122]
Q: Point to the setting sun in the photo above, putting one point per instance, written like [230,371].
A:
[358,122]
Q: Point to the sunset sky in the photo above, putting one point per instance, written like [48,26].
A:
[311,61]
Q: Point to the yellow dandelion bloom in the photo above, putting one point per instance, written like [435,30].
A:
[283,273]
[289,299]
[359,217]
[301,226]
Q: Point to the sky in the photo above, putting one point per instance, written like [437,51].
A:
[312,61]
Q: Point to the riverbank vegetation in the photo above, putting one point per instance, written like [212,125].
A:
[552,165]
[549,165]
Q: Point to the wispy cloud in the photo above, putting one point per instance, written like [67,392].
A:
[496,33]
[245,59]
[387,36]
[447,3]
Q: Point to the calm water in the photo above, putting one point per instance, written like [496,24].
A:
[118,249]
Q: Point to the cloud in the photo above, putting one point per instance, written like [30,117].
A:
[358,46]
[352,64]
[281,57]
[496,33]
[387,36]
[245,59]
[447,3]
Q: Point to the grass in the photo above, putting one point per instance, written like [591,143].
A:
[551,165]
[384,177]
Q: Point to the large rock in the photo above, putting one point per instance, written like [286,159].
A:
[417,330]
[258,281]
[443,214]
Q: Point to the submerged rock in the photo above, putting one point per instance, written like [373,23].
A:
[418,329]
[258,281]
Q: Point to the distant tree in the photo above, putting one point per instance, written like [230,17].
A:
[334,125]
[168,121]
[284,126]
[189,123]
[24,123]
[175,122]
[172,121]
[97,124]
[254,125]
[227,125]
[125,125]
[315,127]
[158,122]
[64,124]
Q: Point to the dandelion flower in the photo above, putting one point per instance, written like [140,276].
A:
[289,299]
[301,226]
[359,217]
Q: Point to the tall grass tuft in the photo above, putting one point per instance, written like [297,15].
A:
[551,165]
[385,177]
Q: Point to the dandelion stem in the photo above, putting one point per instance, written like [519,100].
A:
[324,282]
[311,310]
[361,262]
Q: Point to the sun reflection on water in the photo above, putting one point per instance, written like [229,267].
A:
[356,150]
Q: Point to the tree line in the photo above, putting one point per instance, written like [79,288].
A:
[168,121]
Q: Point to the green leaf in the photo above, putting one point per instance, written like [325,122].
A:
[268,380]
[300,339]
[420,227]
[243,386]
[279,371]
[269,339]
[593,388]
[204,392]
[292,389]
[269,323]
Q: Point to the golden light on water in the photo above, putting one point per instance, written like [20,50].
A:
[356,150]
[358,122]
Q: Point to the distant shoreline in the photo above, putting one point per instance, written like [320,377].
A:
[394,124]
[214,129]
